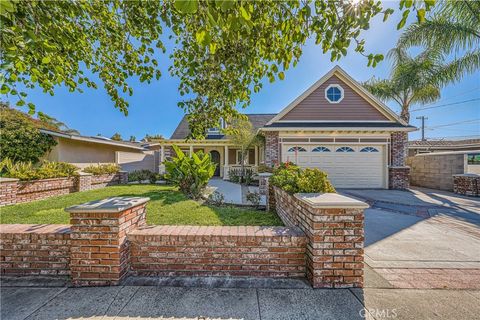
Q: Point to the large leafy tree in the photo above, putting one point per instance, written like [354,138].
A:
[454,29]
[223,49]
[411,79]
[20,137]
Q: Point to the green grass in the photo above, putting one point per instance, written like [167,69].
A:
[167,206]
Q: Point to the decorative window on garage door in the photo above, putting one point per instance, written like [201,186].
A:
[320,149]
[297,149]
[369,149]
[345,149]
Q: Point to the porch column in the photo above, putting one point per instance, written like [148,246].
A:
[225,162]
[161,166]
[256,156]
[191,150]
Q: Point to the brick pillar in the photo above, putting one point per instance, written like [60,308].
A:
[272,149]
[8,191]
[334,225]
[398,172]
[99,249]
[84,181]
[265,189]
[123,177]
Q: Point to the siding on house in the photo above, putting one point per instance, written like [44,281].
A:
[353,107]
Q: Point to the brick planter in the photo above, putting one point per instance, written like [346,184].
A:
[14,191]
[334,226]
[467,184]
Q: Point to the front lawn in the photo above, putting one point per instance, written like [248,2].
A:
[167,206]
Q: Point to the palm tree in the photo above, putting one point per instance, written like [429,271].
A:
[453,29]
[410,80]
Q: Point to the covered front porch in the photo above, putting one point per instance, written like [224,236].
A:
[226,155]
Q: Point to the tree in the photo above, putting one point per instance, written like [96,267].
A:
[453,29]
[410,80]
[244,136]
[132,139]
[153,137]
[223,49]
[20,137]
[116,137]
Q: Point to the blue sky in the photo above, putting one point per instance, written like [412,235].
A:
[153,107]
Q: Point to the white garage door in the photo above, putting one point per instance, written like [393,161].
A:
[347,166]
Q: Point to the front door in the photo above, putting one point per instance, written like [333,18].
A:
[215,155]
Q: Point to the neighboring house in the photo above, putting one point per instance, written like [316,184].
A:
[83,151]
[427,146]
[336,125]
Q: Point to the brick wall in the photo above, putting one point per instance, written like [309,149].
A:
[435,170]
[272,149]
[13,191]
[399,178]
[100,252]
[218,251]
[467,184]
[398,172]
[41,189]
[35,250]
[335,236]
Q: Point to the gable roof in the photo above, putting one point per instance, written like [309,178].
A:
[124,144]
[338,72]
[257,120]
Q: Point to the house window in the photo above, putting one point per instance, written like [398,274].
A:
[473,158]
[321,149]
[297,149]
[334,93]
[216,130]
[239,157]
[345,149]
[369,149]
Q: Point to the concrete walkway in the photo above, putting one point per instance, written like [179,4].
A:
[233,193]
[154,302]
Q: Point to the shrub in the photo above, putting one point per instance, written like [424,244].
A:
[235,175]
[292,179]
[141,175]
[253,198]
[27,171]
[314,180]
[99,169]
[190,173]
[264,168]
[285,177]
[216,198]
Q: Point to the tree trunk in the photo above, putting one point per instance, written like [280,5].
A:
[242,168]
[405,114]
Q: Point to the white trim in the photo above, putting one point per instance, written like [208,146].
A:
[339,129]
[331,121]
[339,87]
[375,102]
[88,139]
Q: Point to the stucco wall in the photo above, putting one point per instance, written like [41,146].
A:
[435,170]
[83,154]
[130,161]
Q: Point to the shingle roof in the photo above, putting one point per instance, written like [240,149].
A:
[442,143]
[257,120]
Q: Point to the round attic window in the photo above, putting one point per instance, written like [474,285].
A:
[334,93]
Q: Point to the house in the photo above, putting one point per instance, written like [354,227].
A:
[336,125]
[83,151]
[427,146]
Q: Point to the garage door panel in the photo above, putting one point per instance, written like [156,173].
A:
[345,169]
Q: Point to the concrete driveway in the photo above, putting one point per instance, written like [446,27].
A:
[422,262]
[422,238]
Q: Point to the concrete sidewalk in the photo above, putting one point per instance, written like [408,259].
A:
[154,302]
